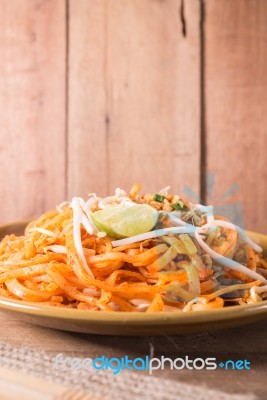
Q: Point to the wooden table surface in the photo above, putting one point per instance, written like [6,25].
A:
[240,343]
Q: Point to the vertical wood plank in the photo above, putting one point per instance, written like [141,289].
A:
[32,106]
[134,95]
[236,95]
[87,151]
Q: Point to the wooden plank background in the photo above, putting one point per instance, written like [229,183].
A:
[236,103]
[99,94]
[32,106]
[133,105]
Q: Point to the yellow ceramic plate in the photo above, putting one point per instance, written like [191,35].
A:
[124,323]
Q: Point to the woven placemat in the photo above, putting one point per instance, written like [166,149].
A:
[35,371]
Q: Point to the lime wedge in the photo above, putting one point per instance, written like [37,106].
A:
[120,221]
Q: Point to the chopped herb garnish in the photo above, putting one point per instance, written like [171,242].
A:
[178,206]
[158,197]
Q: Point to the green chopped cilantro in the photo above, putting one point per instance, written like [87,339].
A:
[158,197]
[178,206]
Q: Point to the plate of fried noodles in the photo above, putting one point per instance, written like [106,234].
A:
[133,264]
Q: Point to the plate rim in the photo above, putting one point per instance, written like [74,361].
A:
[41,310]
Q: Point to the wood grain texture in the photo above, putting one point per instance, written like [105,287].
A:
[32,106]
[133,100]
[134,95]
[236,96]
[238,343]
[87,158]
